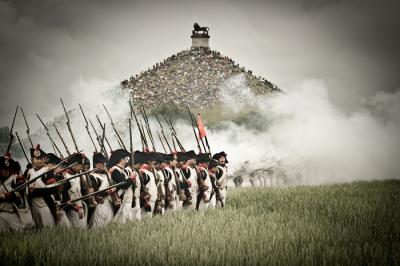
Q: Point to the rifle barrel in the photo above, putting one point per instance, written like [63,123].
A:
[105,137]
[11,131]
[119,139]
[69,126]
[22,147]
[27,127]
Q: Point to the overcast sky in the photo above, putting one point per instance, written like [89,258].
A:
[48,47]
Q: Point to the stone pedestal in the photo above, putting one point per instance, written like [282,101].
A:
[200,41]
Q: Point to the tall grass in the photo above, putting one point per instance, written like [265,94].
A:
[355,223]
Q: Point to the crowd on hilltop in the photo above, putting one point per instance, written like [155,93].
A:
[192,77]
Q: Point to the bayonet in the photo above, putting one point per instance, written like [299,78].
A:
[27,127]
[11,131]
[69,126]
[87,128]
[119,139]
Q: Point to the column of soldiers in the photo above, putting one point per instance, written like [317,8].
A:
[126,187]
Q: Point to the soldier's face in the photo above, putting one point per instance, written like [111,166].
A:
[37,162]
[222,160]
[122,162]
[77,168]
[100,166]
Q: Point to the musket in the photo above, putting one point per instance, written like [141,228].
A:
[194,131]
[176,136]
[92,194]
[27,127]
[159,136]
[27,183]
[115,130]
[173,132]
[216,190]
[102,147]
[198,129]
[142,137]
[163,133]
[62,139]
[63,181]
[173,142]
[102,128]
[22,147]
[11,131]
[130,140]
[69,126]
[87,128]
[146,120]
[55,147]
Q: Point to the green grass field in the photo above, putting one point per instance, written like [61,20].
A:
[357,223]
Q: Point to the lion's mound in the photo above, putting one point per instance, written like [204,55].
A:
[191,77]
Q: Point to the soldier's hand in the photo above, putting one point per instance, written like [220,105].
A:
[99,199]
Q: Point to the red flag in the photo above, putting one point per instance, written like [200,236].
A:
[200,125]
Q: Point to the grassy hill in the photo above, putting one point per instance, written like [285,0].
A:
[355,223]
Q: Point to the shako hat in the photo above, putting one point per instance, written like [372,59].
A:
[98,157]
[203,158]
[37,152]
[117,155]
[219,155]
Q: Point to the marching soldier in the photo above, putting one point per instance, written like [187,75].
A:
[76,212]
[132,168]
[87,188]
[54,195]
[44,209]
[205,185]
[160,181]
[184,196]
[118,160]
[212,170]
[149,180]
[221,176]
[190,174]
[100,179]
[15,214]
[58,194]
[169,161]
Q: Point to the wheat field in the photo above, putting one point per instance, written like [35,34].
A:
[356,223]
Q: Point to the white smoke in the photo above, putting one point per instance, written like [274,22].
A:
[311,137]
